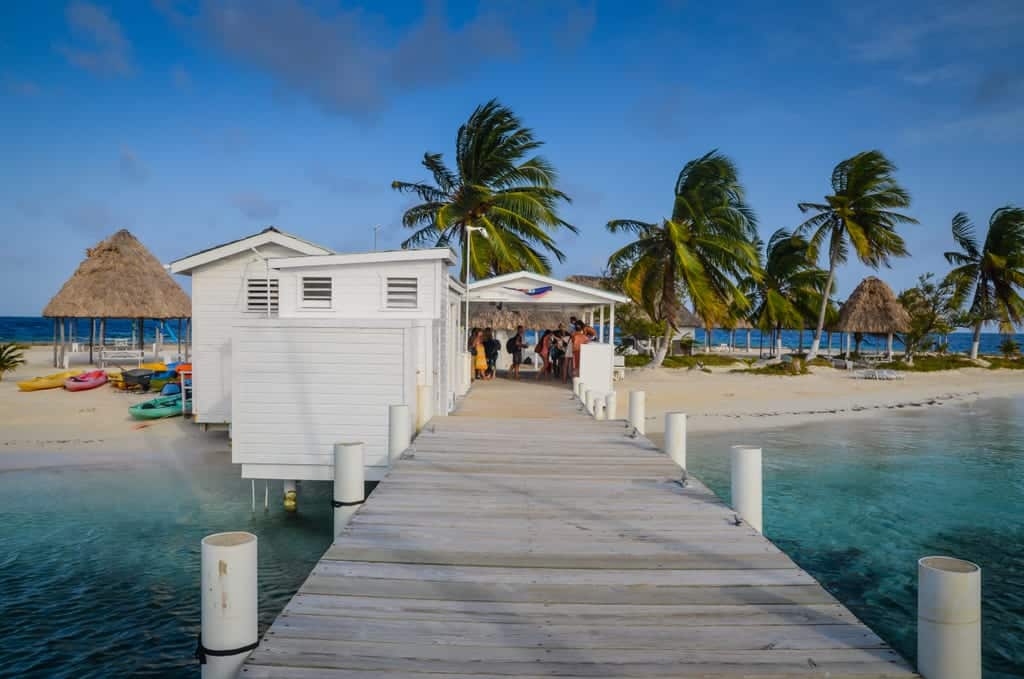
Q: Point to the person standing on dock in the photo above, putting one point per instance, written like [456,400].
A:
[515,346]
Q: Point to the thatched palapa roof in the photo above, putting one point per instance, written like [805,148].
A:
[684,318]
[533,318]
[873,308]
[120,278]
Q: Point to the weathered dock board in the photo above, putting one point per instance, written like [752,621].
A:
[522,539]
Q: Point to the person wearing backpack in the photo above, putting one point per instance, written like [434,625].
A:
[515,346]
[492,347]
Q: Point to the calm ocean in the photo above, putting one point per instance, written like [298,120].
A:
[40,330]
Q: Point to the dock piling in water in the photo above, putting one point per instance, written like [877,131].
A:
[349,483]
[745,462]
[229,603]
[948,618]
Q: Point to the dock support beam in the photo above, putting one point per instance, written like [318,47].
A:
[399,432]
[948,618]
[746,485]
[229,603]
[636,412]
[611,411]
[349,483]
[675,437]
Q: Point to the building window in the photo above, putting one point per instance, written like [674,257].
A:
[261,295]
[316,292]
[402,293]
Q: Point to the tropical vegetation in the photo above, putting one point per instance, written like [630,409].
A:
[931,310]
[860,213]
[988,277]
[788,288]
[11,356]
[699,253]
[498,191]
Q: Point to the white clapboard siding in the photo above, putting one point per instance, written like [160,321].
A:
[219,301]
[302,386]
[361,290]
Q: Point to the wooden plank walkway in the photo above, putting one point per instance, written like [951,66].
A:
[522,539]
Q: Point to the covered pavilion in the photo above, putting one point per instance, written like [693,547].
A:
[119,278]
[873,309]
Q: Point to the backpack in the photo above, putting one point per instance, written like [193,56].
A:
[512,345]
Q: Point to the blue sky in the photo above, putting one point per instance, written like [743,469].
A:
[193,123]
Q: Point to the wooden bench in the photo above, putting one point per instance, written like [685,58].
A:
[120,355]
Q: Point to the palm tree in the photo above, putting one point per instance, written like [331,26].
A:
[700,252]
[790,287]
[496,188]
[11,356]
[992,275]
[858,212]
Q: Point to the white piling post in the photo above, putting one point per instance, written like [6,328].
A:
[746,485]
[611,411]
[399,431]
[675,437]
[587,394]
[229,604]
[598,406]
[636,412]
[349,477]
[576,386]
[424,405]
[948,618]
[581,388]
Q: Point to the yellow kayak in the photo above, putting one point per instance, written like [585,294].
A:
[48,381]
[155,367]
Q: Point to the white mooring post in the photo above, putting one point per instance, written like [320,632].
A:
[229,604]
[611,411]
[675,437]
[636,412]
[399,432]
[746,485]
[349,478]
[576,386]
[948,618]
[598,406]
[581,389]
[424,405]
[587,395]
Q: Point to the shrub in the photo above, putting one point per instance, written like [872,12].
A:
[11,356]
[1008,347]
[929,364]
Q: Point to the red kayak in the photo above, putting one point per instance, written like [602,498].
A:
[89,380]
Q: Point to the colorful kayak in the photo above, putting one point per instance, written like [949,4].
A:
[89,380]
[164,406]
[47,381]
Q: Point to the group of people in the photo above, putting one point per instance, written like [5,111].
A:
[558,349]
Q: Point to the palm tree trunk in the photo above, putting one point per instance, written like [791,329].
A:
[824,306]
[976,341]
[659,355]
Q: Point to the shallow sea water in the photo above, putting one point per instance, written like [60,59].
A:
[99,566]
[856,503]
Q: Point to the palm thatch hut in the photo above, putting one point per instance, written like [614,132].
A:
[873,309]
[119,278]
[509,319]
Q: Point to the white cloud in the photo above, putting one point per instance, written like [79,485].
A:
[102,48]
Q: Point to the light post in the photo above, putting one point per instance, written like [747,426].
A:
[375,230]
[469,247]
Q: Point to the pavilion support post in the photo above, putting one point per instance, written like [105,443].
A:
[60,356]
[55,364]
[600,331]
[888,347]
[92,337]
[103,333]
[611,324]
[748,340]
[178,336]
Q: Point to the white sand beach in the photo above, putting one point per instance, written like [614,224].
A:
[44,428]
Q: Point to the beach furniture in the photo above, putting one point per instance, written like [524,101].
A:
[86,381]
[53,381]
[120,356]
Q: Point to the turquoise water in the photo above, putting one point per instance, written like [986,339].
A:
[99,567]
[857,502]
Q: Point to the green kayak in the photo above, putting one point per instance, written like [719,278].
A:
[165,406]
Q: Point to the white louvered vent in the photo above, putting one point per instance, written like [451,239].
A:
[259,293]
[316,292]
[402,293]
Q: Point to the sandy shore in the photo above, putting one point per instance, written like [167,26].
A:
[57,427]
[722,400]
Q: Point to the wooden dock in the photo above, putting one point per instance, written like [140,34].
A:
[522,539]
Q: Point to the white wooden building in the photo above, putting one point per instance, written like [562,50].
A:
[298,348]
